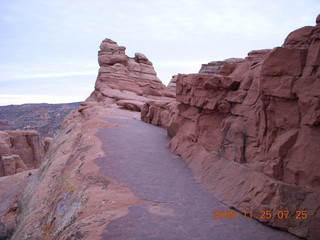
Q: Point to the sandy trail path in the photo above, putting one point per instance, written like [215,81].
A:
[175,206]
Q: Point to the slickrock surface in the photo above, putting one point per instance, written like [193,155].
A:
[95,183]
[173,205]
[250,129]
[12,189]
[20,150]
[103,180]
[71,198]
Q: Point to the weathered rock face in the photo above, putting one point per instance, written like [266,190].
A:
[216,66]
[129,81]
[238,134]
[171,88]
[12,189]
[71,198]
[19,151]
[251,130]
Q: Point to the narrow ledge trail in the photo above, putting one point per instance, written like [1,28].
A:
[174,205]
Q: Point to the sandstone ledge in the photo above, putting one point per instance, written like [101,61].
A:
[250,130]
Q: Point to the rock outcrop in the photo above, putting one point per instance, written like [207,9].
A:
[70,198]
[216,66]
[20,151]
[130,82]
[250,129]
[12,189]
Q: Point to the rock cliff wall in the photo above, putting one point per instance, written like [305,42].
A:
[250,129]
[20,151]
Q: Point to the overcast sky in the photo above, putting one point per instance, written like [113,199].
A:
[48,48]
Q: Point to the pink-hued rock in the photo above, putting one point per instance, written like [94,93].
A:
[170,91]
[124,78]
[303,37]
[20,165]
[20,150]
[9,165]
[12,189]
[70,195]
[250,132]
[250,129]
[131,104]
[47,142]
[28,145]
[223,67]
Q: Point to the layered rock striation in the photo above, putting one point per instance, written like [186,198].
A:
[250,129]
[70,198]
[20,150]
[129,82]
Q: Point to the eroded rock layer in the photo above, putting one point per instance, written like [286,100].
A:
[130,82]
[20,150]
[70,198]
[247,130]
[250,129]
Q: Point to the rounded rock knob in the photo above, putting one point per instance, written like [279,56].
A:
[318,20]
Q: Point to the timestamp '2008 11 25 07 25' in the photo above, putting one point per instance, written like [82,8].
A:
[264,215]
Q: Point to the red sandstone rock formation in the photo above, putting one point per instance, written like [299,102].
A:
[19,151]
[70,196]
[216,66]
[235,130]
[129,81]
[250,129]
[12,189]
[47,142]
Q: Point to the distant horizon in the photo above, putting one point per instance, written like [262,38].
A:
[40,104]
[49,49]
